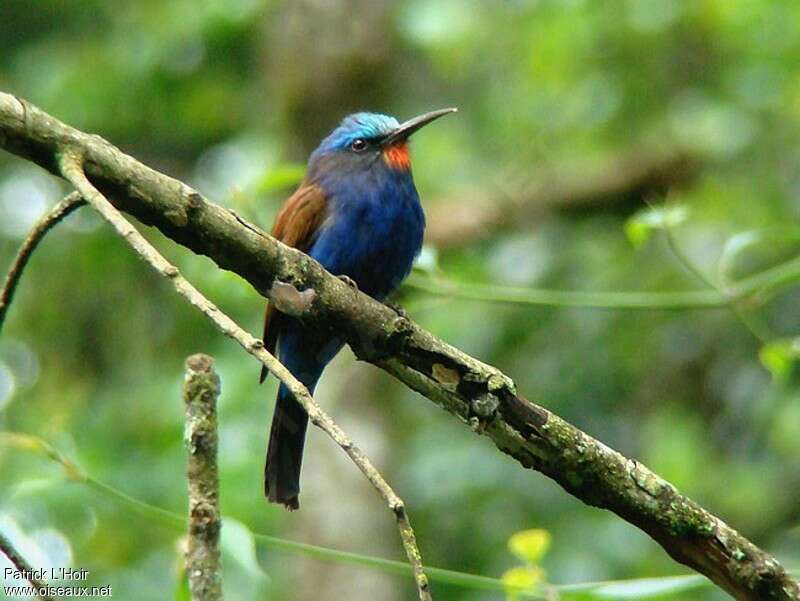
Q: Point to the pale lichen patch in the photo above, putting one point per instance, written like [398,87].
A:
[290,300]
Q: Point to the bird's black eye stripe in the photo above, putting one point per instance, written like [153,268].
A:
[358,144]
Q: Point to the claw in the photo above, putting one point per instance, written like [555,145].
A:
[349,281]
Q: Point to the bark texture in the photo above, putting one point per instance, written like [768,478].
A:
[200,393]
[478,394]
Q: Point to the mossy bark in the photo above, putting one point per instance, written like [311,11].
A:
[200,393]
[478,394]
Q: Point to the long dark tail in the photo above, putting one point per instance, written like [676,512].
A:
[285,451]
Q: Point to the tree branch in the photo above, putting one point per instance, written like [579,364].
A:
[44,225]
[639,173]
[71,166]
[200,394]
[25,569]
[478,394]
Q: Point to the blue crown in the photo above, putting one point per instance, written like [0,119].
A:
[357,125]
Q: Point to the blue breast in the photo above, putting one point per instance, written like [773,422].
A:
[374,227]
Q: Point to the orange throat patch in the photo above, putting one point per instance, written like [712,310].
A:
[397,156]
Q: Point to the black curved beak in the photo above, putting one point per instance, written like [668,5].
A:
[404,130]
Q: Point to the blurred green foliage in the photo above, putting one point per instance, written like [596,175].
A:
[230,95]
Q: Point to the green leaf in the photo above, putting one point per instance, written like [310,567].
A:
[642,224]
[638,589]
[35,487]
[778,356]
[239,544]
[38,446]
[523,578]
[530,545]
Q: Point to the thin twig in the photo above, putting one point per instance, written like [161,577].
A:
[72,170]
[28,443]
[25,570]
[45,224]
[756,329]
[587,299]
[200,393]
[479,395]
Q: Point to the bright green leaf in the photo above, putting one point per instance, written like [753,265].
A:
[530,545]
[521,579]
[779,355]
[639,589]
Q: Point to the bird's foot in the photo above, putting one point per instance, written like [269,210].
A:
[398,309]
[349,281]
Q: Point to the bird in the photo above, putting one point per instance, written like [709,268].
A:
[358,213]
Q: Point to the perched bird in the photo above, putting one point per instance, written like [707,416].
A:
[358,213]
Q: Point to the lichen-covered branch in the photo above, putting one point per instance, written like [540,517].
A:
[478,394]
[71,165]
[24,568]
[44,225]
[200,394]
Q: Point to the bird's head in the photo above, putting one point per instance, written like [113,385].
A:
[361,139]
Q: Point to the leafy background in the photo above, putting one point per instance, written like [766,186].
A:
[231,95]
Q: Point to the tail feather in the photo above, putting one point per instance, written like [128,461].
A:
[285,451]
[305,354]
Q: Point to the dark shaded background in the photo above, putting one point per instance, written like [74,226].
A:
[553,95]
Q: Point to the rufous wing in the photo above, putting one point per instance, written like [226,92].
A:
[296,225]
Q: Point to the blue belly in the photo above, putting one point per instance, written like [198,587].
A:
[373,234]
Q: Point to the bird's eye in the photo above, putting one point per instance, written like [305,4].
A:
[359,144]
